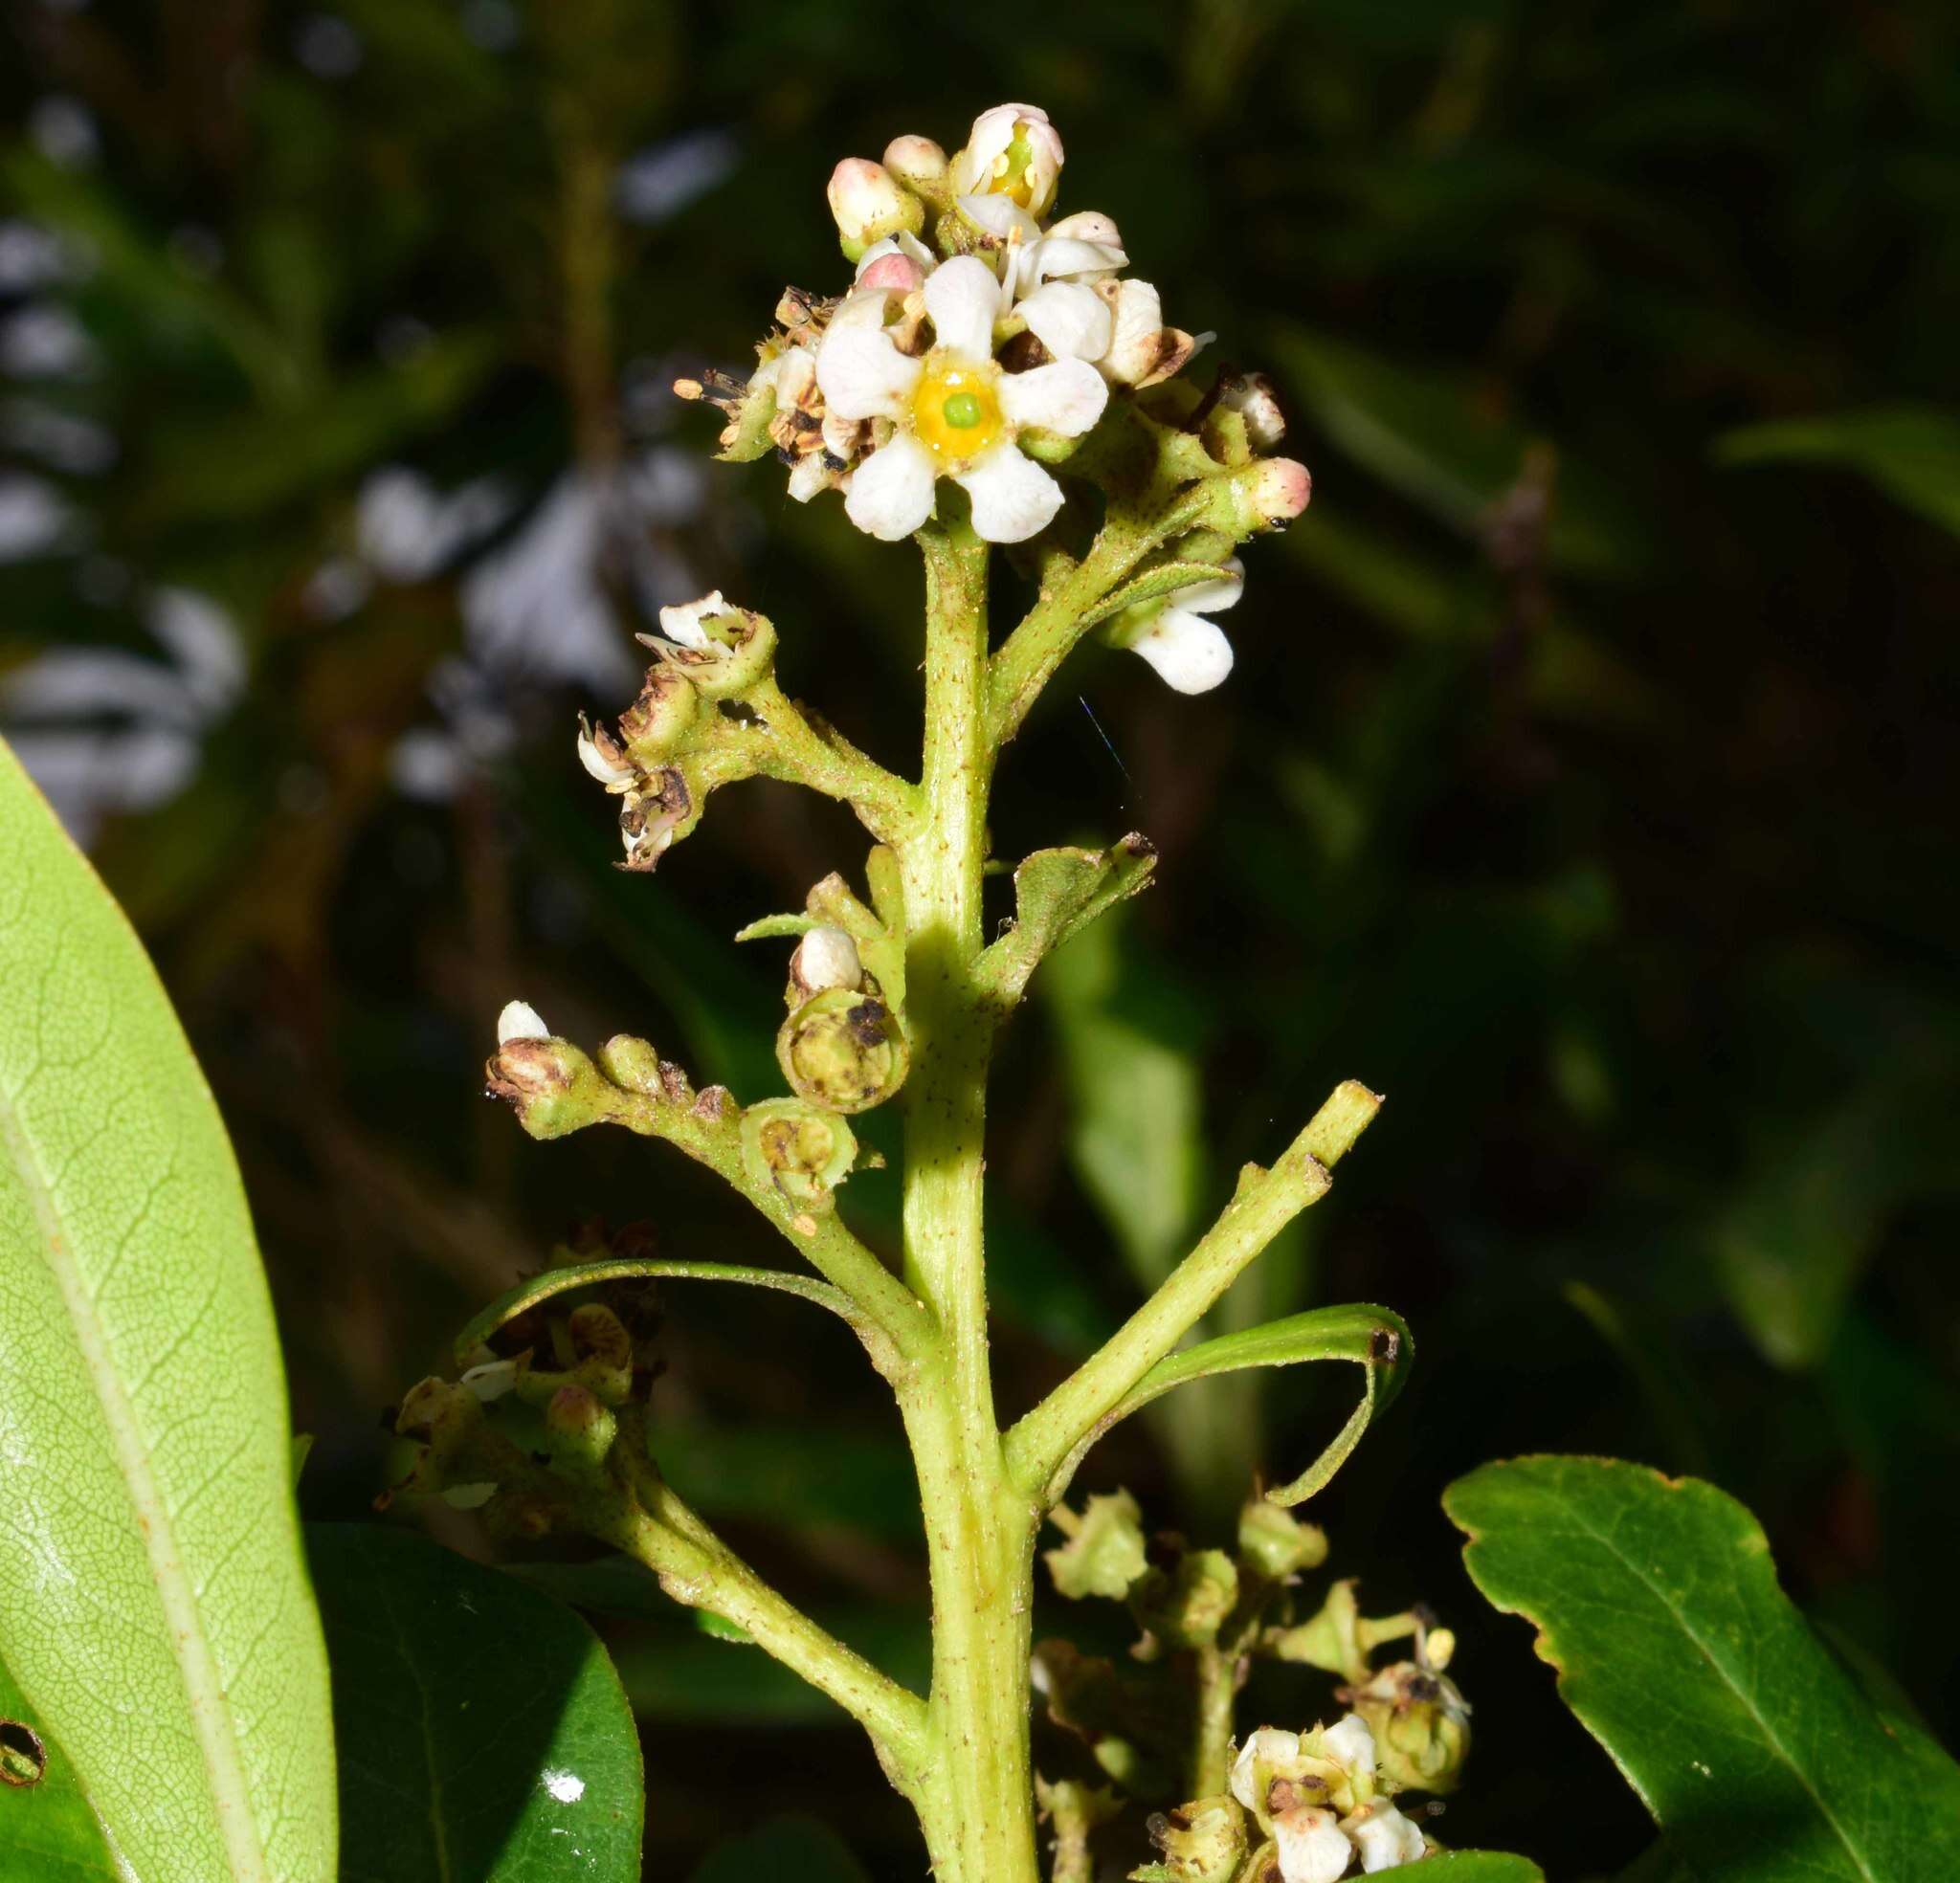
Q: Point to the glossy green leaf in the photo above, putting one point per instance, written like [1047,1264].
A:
[1756,1751]
[153,1603]
[484,1736]
[1911,452]
[1479,1867]
[542,1287]
[49,1834]
[1374,1339]
[787,1847]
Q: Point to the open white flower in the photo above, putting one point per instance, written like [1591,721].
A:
[1012,151]
[1177,637]
[1268,1746]
[955,414]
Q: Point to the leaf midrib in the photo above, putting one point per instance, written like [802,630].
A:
[197,1667]
[1729,1681]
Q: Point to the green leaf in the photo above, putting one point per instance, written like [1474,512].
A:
[1056,894]
[1658,1602]
[789,1846]
[149,1545]
[48,1831]
[484,1736]
[1374,1339]
[1156,582]
[537,1288]
[1911,452]
[1479,1867]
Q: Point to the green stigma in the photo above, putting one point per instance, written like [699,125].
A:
[963,410]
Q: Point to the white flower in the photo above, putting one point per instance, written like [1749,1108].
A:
[520,1021]
[1270,1745]
[1188,651]
[1385,1838]
[598,760]
[1311,1845]
[1012,152]
[682,621]
[492,1379]
[1350,1741]
[954,412]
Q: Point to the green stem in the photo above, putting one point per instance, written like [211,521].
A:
[978,1813]
[697,1568]
[1264,1203]
[1210,1764]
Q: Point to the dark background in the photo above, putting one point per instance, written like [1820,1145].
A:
[1584,782]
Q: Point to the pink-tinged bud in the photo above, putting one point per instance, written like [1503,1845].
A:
[1279,490]
[919,164]
[895,274]
[869,204]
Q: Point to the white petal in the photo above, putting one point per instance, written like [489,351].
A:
[1215,597]
[1191,656]
[903,243]
[1385,1838]
[807,476]
[890,493]
[597,767]
[1012,497]
[1087,226]
[862,374]
[962,296]
[826,958]
[1065,398]
[861,307]
[1068,257]
[1350,1740]
[1134,348]
[796,374]
[1000,218]
[1311,1845]
[520,1021]
[682,621]
[1270,1745]
[1070,318]
[993,130]
[492,1379]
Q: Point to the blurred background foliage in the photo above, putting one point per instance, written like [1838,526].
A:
[1585,783]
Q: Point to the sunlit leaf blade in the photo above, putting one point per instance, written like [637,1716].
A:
[1657,1600]
[1479,1867]
[542,1287]
[48,1831]
[1911,452]
[785,1847]
[153,1603]
[484,1736]
[1374,1339]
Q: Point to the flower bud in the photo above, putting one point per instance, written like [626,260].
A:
[633,1064]
[1012,151]
[604,1350]
[1202,1842]
[843,1051]
[920,164]
[1421,1726]
[1185,1607]
[1278,491]
[1274,1543]
[1104,1552]
[519,1020]
[797,1149]
[826,958]
[1251,395]
[555,1087]
[657,720]
[869,204]
[580,1429]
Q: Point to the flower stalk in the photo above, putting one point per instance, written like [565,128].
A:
[1000,383]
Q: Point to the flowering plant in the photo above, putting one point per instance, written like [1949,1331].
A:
[991,378]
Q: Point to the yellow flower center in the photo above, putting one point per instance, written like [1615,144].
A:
[1014,175]
[955,408]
